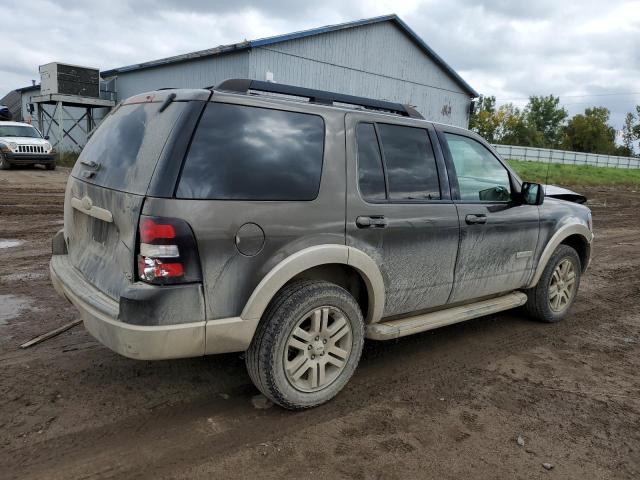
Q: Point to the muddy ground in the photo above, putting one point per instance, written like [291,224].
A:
[444,404]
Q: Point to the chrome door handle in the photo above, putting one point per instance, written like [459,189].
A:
[375,221]
[475,219]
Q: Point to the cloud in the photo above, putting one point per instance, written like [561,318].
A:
[502,48]
[516,49]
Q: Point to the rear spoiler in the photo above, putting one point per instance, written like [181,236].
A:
[176,95]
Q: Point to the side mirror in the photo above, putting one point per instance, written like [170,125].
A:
[532,193]
[46,137]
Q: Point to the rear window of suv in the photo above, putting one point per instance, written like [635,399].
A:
[251,153]
[125,148]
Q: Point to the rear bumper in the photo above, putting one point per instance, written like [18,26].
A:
[100,315]
[29,158]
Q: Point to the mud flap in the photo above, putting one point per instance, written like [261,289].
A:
[58,243]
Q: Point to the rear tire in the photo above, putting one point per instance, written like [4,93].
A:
[4,163]
[550,300]
[307,345]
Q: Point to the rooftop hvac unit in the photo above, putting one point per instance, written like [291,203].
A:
[60,78]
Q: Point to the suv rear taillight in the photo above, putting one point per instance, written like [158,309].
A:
[167,251]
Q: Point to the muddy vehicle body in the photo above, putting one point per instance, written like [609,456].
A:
[231,219]
[22,144]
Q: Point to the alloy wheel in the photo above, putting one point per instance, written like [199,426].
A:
[562,286]
[317,349]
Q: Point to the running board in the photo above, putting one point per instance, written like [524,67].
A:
[428,321]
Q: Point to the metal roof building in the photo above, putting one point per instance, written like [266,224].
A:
[379,57]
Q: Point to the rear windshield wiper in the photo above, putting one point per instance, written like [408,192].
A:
[167,102]
[90,164]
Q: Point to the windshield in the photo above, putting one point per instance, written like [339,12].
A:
[18,131]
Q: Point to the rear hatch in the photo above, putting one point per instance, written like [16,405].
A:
[108,184]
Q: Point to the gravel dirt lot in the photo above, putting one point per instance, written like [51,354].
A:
[445,404]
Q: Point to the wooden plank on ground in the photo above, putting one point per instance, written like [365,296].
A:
[51,334]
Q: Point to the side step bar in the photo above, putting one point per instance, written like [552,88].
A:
[428,321]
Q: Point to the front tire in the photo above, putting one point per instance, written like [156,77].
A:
[307,345]
[550,300]
[51,166]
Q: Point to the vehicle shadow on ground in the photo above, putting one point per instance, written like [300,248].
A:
[195,408]
[218,383]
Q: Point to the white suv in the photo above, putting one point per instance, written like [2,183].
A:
[23,144]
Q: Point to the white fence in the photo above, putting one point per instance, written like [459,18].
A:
[546,155]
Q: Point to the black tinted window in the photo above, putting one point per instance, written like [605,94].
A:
[249,153]
[370,174]
[410,163]
[127,146]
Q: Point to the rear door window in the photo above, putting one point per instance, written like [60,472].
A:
[126,146]
[370,172]
[410,163]
[250,153]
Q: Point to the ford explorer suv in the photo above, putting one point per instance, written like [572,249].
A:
[292,224]
[22,144]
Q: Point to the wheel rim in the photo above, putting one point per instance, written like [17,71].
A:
[562,286]
[317,349]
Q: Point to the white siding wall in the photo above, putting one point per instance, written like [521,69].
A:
[377,61]
[191,74]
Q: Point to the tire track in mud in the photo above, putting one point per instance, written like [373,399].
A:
[160,444]
[392,402]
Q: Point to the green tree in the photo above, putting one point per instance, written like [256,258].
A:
[590,132]
[628,134]
[544,115]
[634,132]
[512,127]
[505,124]
[483,121]
[538,125]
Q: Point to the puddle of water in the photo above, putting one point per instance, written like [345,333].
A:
[12,306]
[10,243]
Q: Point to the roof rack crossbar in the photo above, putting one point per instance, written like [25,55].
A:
[244,85]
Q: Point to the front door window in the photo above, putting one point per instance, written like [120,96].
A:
[481,177]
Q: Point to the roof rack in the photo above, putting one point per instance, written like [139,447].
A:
[243,85]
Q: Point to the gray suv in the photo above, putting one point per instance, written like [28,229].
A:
[292,224]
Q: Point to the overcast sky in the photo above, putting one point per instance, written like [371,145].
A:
[588,52]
